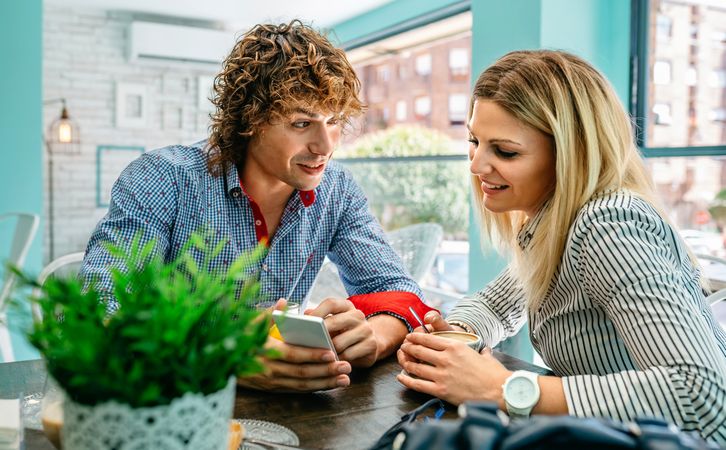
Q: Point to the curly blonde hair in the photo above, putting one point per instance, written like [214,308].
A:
[272,71]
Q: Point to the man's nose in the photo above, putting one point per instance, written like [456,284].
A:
[325,141]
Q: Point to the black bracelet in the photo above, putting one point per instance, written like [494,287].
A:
[466,327]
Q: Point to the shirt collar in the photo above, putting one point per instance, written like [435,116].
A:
[524,237]
[233,187]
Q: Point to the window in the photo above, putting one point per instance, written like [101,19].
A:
[664,27]
[717,78]
[457,109]
[680,113]
[662,72]
[401,110]
[423,64]
[717,115]
[422,106]
[409,155]
[382,73]
[718,36]
[691,76]
[693,31]
[686,74]
[402,71]
[459,61]
[662,113]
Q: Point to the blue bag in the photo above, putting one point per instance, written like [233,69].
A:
[482,426]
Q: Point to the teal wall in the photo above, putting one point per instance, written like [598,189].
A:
[597,30]
[385,16]
[21,180]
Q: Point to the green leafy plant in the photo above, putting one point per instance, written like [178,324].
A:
[180,328]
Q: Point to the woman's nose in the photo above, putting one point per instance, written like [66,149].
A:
[479,163]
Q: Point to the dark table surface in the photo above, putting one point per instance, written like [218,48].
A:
[350,418]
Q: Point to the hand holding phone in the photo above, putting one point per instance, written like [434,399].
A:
[305,331]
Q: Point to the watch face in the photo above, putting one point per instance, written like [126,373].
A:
[520,392]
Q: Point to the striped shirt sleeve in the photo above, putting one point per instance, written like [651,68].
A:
[494,313]
[630,267]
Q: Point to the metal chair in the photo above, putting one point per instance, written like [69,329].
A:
[26,225]
[415,244]
[66,265]
[718,307]
[716,297]
[714,269]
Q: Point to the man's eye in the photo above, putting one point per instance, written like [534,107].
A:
[301,124]
[334,121]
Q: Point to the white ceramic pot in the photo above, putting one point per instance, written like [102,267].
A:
[192,422]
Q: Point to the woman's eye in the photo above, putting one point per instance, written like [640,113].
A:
[473,141]
[301,124]
[504,154]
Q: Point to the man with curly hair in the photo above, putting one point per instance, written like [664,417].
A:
[265,176]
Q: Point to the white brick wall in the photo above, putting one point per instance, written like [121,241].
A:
[83,59]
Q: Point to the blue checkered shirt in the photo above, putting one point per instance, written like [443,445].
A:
[168,194]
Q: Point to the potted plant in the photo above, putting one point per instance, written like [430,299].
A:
[158,373]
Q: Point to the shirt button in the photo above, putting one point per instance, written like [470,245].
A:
[258,222]
[265,267]
[235,194]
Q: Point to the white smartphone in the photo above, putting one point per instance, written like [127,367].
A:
[306,331]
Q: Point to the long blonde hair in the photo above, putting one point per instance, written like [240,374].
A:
[566,98]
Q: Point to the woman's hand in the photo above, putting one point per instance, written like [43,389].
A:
[450,370]
[434,322]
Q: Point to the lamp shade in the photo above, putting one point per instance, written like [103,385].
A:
[63,134]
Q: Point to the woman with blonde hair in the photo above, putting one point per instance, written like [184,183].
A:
[614,298]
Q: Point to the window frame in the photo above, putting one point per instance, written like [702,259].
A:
[639,76]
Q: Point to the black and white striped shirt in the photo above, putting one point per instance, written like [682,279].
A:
[624,323]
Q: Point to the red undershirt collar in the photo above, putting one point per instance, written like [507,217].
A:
[306,197]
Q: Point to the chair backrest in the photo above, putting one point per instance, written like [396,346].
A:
[66,266]
[415,244]
[327,284]
[719,311]
[714,269]
[26,225]
[716,297]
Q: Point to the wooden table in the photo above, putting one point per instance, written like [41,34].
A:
[350,418]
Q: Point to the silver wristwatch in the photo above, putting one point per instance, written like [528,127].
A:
[521,393]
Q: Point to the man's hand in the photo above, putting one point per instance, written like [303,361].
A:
[352,335]
[298,369]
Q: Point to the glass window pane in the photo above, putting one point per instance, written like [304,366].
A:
[687,66]
[692,190]
[422,106]
[459,62]
[425,86]
[423,64]
[458,108]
